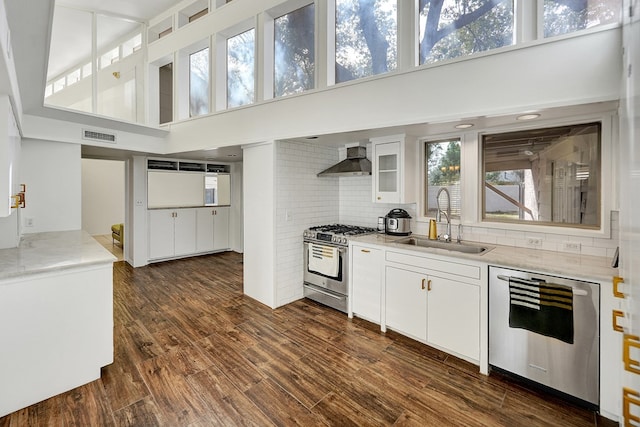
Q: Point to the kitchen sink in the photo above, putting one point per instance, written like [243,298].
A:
[463,247]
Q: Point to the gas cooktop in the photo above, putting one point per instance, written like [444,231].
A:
[336,233]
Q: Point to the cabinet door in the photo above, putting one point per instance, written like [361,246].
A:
[387,172]
[204,229]
[366,282]
[161,233]
[221,228]
[453,316]
[185,231]
[406,302]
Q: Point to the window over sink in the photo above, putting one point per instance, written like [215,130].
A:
[442,163]
[548,176]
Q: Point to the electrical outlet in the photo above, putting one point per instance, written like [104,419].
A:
[574,247]
[28,222]
[534,242]
[287,216]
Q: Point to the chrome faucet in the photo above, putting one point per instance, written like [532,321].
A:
[447,236]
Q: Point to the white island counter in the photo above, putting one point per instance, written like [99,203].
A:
[56,316]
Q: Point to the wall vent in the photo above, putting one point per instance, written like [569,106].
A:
[98,136]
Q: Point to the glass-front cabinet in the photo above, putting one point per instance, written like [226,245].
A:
[393,169]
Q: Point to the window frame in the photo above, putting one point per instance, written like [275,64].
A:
[518,33]
[269,17]
[541,25]
[221,69]
[425,175]
[208,88]
[482,179]
[331,59]
[472,180]
[183,81]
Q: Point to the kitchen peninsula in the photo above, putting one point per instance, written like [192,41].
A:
[56,316]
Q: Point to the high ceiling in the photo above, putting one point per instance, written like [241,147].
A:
[72,27]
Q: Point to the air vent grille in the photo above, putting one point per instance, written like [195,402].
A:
[98,136]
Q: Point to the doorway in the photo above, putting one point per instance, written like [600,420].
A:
[103,202]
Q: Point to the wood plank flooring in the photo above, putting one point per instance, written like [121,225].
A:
[191,350]
[109,244]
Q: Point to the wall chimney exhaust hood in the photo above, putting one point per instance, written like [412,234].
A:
[355,164]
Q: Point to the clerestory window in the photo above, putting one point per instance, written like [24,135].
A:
[567,16]
[241,69]
[366,38]
[294,51]
[453,28]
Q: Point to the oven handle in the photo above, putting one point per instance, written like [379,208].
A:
[341,249]
[576,291]
[315,289]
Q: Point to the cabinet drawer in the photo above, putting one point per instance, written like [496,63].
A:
[450,267]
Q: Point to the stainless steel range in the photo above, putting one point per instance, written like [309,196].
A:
[326,263]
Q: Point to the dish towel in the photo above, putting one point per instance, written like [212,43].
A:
[324,260]
[543,308]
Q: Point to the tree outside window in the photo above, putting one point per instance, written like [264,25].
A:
[199,83]
[567,16]
[241,69]
[454,28]
[366,38]
[443,170]
[294,65]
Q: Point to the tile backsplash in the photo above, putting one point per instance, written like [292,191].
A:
[304,200]
[356,207]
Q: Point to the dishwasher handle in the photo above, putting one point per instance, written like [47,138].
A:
[576,291]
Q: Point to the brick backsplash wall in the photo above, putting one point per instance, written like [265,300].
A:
[302,201]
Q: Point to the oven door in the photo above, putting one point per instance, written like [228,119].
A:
[335,279]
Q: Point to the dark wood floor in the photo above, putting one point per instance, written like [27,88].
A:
[191,350]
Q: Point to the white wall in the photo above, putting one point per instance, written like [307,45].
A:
[259,222]
[540,75]
[53,176]
[135,230]
[102,195]
[236,237]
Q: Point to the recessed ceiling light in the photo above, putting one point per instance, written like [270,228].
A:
[464,126]
[528,116]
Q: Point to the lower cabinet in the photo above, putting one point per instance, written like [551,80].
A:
[367,264]
[172,232]
[453,316]
[181,232]
[432,299]
[439,311]
[212,226]
[406,302]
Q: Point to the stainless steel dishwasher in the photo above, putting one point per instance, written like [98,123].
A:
[539,334]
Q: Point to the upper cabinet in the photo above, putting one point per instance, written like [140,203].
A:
[394,169]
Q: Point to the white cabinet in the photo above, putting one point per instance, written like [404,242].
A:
[453,316]
[394,169]
[366,282]
[406,302]
[212,229]
[435,301]
[172,232]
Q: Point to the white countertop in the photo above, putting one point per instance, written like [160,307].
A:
[52,251]
[577,266]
